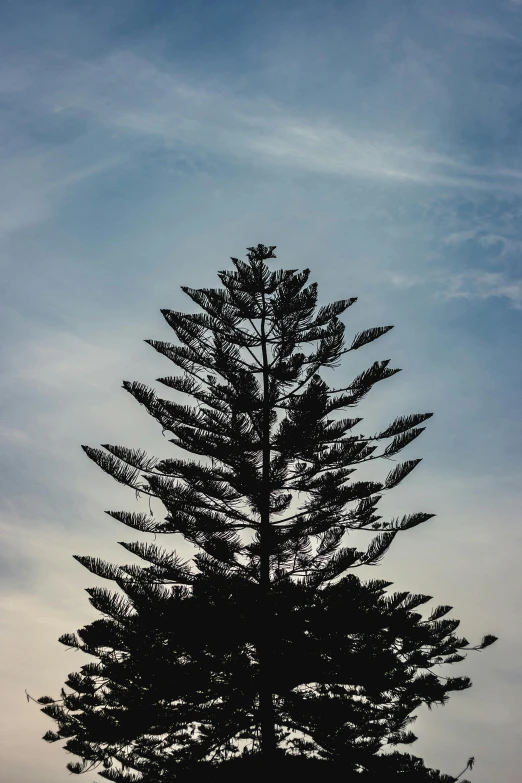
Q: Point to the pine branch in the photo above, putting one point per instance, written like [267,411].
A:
[404,423]
[368,336]
[400,472]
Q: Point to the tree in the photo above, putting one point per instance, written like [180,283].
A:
[263,639]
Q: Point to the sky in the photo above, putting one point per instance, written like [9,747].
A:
[378,144]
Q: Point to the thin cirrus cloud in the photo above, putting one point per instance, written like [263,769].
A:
[484,285]
[162,110]
[472,284]
[33,188]
[161,106]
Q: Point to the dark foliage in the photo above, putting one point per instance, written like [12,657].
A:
[262,646]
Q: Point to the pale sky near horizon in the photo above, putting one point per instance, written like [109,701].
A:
[377,143]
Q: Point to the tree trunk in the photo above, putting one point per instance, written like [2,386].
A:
[266,705]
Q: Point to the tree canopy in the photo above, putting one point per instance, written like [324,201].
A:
[263,645]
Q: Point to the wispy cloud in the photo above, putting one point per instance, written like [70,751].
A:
[33,187]
[475,25]
[126,104]
[471,284]
[485,285]
[131,96]
[506,245]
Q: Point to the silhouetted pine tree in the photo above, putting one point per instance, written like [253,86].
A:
[262,641]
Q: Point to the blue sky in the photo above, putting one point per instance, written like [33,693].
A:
[142,144]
